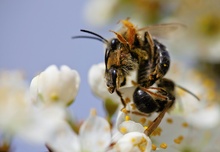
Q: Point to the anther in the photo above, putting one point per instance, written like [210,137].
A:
[163,145]
[154,147]
[124,111]
[169,120]
[127,118]
[93,112]
[185,124]
[123,130]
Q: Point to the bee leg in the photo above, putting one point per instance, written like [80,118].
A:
[122,100]
[157,120]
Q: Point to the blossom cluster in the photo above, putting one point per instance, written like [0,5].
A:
[39,114]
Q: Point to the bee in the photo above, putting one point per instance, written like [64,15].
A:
[135,49]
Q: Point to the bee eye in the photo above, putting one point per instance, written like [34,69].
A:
[114,43]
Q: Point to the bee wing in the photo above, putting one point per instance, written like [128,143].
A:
[164,31]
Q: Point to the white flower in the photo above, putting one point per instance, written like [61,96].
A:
[18,116]
[13,90]
[94,136]
[97,83]
[55,86]
[98,12]
[133,142]
[204,113]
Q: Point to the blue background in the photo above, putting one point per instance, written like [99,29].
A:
[36,34]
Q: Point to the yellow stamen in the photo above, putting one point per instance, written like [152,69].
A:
[169,120]
[179,139]
[133,106]
[133,140]
[163,145]
[143,120]
[185,124]
[124,111]
[123,130]
[127,118]
[157,132]
[127,100]
[143,144]
[93,112]
[154,147]
[54,96]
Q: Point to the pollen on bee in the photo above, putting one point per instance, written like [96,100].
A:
[163,145]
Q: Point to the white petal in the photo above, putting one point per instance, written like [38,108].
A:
[98,84]
[55,86]
[64,139]
[41,123]
[207,117]
[131,126]
[94,8]
[95,134]
[171,127]
[134,142]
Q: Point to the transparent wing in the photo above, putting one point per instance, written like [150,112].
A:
[165,31]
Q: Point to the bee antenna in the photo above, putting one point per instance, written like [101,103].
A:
[99,37]
[88,37]
[184,89]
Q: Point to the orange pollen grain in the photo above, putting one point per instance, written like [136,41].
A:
[127,100]
[163,145]
[179,139]
[127,118]
[157,132]
[154,147]
[133,106]
[142,120]
[123,130]
[169,120]
[185,124]
[124,111]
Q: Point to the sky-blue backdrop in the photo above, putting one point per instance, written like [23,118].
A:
[37,33]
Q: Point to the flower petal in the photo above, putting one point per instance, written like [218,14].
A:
[55,86]
[64,139]
[134,142]
[95,134]
[98,84]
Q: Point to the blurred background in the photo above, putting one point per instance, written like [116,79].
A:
[36,34]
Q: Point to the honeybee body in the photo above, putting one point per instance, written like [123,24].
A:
[136,50]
